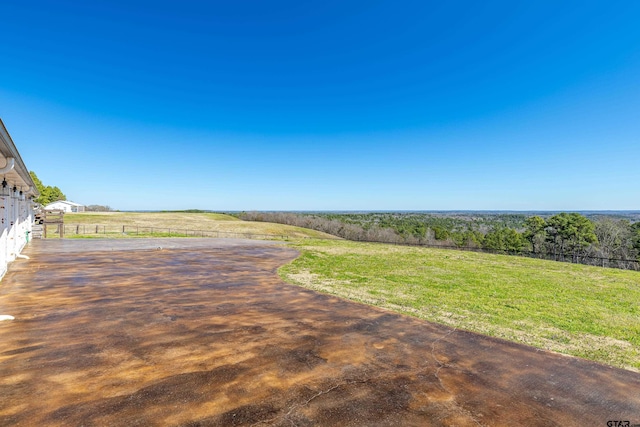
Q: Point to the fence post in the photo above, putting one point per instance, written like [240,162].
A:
[123,229]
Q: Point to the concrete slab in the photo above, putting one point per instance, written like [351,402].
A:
[203,333]
[100,245]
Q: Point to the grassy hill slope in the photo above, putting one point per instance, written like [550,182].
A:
[182,221]
[574,309]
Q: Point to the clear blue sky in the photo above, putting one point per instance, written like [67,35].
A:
[332,105]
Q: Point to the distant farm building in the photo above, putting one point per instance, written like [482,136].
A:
[65,205]
[16,207]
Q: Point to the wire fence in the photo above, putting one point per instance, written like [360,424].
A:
[92,230]
[573,258]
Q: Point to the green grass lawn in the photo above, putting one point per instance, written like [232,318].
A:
[580,310]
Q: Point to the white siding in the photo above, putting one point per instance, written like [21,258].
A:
[16,216]
[66,206]
[16,221]
[59,205]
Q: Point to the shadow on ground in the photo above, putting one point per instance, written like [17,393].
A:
[204,333]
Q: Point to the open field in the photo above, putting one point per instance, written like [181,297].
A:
[579,310]
[179,222]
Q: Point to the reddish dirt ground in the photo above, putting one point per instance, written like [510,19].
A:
[204,333]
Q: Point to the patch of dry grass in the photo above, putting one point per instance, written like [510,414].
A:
[183,221]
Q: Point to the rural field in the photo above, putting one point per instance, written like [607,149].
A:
[579,310]
[159,224]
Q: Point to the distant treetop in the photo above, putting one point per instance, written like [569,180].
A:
[48,194]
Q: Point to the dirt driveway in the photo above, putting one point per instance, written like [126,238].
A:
[192,332]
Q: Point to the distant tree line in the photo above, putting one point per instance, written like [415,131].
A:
[48,194]
[604,241]
[98,208]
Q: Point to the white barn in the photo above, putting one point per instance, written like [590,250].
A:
[16,207]
[65,205]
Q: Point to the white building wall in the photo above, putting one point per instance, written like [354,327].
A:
[24,224]
[11,252]
[16,215]
[59,205]
[65,205]
[4,234]
[16,219]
